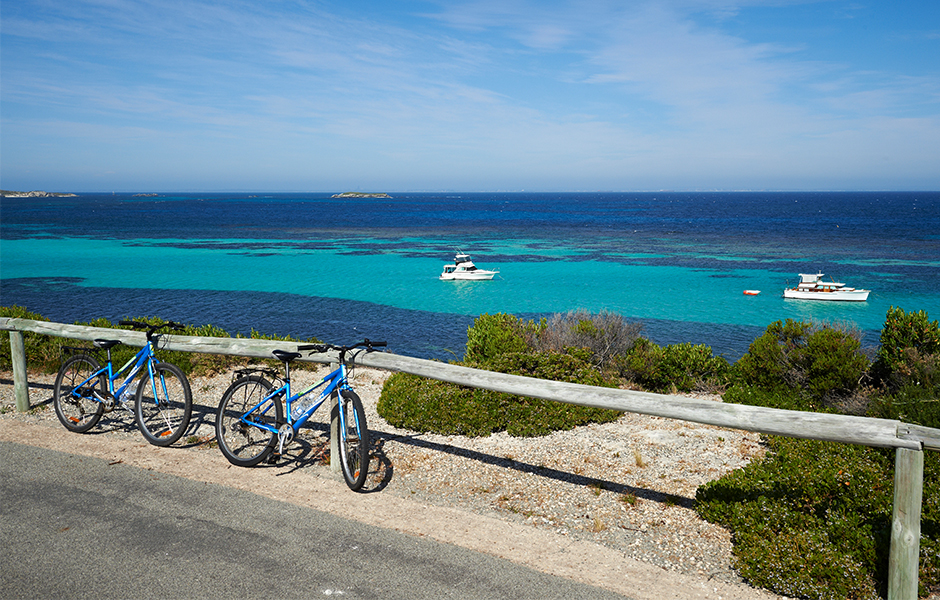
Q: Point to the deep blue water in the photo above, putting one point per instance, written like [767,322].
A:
[307,264]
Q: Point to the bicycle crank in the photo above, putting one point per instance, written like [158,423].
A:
[285,433]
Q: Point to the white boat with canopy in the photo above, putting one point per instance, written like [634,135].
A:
[812,287]
[463,269]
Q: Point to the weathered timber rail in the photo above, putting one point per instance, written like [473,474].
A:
[908,440]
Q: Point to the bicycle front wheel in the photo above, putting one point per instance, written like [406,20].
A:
[354,441]
[73,398]
[163,405]
[240,440]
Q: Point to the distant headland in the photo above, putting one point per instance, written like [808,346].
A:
[359,195]
[35,194]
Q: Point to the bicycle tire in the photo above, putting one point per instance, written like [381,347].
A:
[164,405]
[82,412]
[243,444]
[354,441]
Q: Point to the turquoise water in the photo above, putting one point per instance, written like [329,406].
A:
[680,265]
[403,281]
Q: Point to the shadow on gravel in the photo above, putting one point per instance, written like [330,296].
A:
[379,439]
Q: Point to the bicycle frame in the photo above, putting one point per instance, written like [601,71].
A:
[132,367]
[335,381]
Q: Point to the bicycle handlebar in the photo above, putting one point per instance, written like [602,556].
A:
[151,329]
[366,343]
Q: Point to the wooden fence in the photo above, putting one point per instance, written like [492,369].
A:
[909,441]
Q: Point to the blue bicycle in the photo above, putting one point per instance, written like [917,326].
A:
[251,421]
[163,402]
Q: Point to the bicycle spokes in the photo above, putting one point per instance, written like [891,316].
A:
[74,395]
[354,440]
[163,405]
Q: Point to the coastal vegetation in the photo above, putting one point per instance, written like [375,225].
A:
[809,520]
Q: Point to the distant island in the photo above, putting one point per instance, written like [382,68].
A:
[35,194]
[359,195]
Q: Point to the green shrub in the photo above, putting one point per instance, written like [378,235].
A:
[832,363]
[910,352]
[419,404]
[676,367]
[428,405]
[821,362]
[767,361]
[813,519]
[687,366]
[643,365]
[491,336]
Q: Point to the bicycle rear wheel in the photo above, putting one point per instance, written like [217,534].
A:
[354,441]
[243,443]
[74,403]
[163,405]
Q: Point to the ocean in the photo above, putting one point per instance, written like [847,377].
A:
[343,269]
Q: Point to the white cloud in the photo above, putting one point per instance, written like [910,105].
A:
[621,95]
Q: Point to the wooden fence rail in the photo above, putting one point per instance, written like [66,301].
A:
[909,440]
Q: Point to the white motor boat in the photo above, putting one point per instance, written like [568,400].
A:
[812,287]
[463,269]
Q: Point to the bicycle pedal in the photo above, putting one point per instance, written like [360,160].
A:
[272,460]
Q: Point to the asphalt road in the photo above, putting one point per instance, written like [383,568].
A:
[78,527]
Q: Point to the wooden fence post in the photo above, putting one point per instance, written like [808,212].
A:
[20,381]
[903,560]
[335,459]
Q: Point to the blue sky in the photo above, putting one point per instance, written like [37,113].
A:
[194,95]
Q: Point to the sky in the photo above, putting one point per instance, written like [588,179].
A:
[479,95]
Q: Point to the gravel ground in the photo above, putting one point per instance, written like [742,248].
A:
[627,485]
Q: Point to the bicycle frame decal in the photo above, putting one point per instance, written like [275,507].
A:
[138,361]
[333,380]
